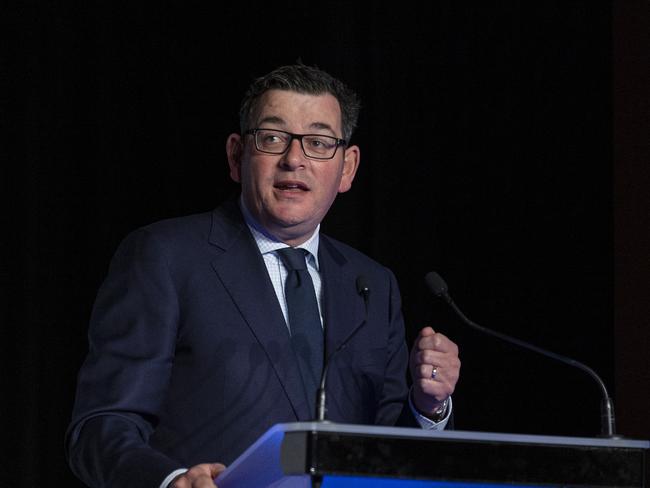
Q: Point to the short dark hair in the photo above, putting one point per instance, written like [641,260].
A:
[302,79]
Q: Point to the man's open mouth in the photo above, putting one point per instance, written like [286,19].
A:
[291,185]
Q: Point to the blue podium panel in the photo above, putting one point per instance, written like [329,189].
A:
[312,454]
[372,482]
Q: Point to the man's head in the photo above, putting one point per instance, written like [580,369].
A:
[292,157]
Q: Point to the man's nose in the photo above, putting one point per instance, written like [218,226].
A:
[294,157]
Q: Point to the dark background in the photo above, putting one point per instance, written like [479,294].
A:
[504,146]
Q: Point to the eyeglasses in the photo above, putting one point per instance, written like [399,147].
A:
[314,146]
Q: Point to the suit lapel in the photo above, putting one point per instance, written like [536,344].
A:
[343,308]
[241,269]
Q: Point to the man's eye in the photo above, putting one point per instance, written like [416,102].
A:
[273,139]
[319,143]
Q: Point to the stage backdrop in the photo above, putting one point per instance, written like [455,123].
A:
[486,142]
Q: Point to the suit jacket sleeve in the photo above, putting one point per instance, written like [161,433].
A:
[123,381]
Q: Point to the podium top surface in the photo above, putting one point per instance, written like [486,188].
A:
[373,430]
[416,433]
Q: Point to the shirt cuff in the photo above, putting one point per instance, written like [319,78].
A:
[171,477]
[427,423]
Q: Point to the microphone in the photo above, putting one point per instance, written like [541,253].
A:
[607,428]
[363,289]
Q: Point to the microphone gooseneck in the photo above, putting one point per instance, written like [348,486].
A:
[439,288]
[363,289]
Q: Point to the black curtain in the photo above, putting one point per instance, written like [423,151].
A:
[486,141]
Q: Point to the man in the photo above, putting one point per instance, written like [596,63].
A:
[195,348]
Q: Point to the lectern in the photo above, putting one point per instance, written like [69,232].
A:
[332,455]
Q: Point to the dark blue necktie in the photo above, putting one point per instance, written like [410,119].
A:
[304,320]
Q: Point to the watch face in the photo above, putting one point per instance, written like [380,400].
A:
[438,412]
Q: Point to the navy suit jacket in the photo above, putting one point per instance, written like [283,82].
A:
[190,360]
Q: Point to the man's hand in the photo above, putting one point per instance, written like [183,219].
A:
[435,368]
[199,476]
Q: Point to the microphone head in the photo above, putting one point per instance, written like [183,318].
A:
[436,284]
[362,285]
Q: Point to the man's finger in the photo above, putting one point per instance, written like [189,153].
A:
[429,356]
[437,342]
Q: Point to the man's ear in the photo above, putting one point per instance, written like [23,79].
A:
[351,162]
[234,150]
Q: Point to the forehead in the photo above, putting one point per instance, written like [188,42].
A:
[299,111]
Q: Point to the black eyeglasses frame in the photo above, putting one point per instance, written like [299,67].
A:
[292,136]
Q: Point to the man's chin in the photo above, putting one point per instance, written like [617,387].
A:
[292,228]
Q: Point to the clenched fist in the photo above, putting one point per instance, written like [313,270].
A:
[435,368]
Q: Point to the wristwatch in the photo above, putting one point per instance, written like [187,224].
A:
[439,413]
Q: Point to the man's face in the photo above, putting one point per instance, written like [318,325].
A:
[289,194]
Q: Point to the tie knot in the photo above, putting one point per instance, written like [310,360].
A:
[293,259]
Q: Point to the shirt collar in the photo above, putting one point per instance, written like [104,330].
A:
[268,243]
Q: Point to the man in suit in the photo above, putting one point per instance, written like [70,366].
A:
[193,352]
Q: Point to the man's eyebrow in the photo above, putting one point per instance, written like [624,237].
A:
[322,125]
[272,119]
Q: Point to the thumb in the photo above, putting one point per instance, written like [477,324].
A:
[215,469]
[427,331]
